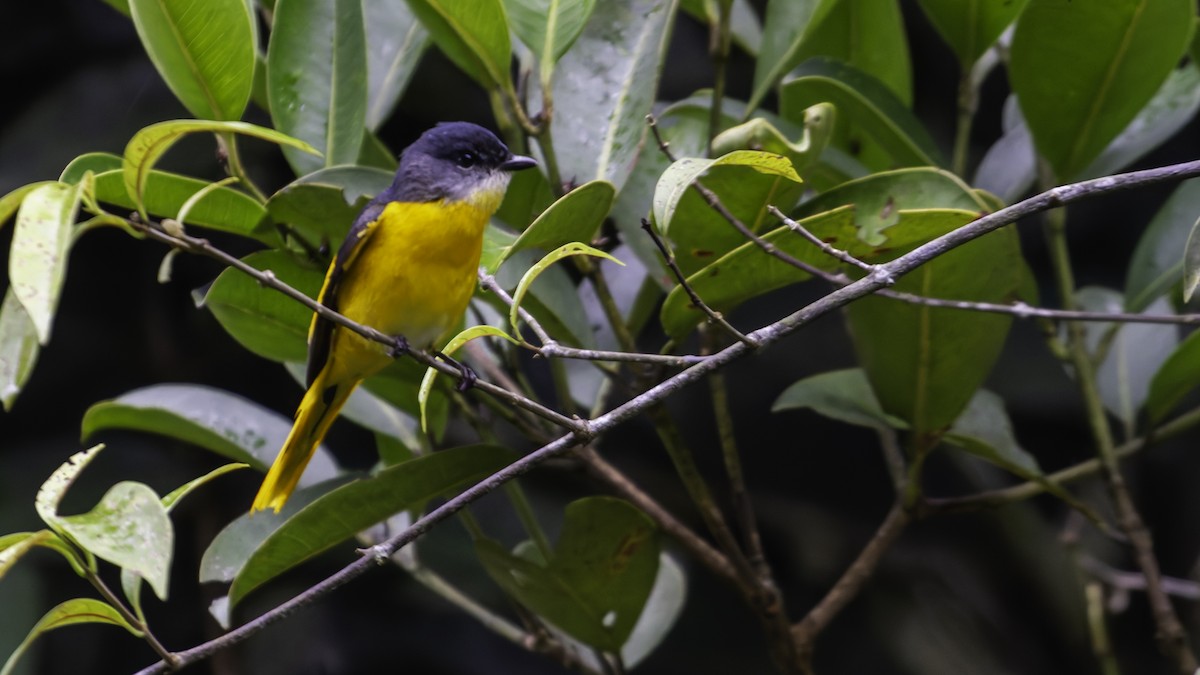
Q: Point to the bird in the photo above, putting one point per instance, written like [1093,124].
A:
[406,268]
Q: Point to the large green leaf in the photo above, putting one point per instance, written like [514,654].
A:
[786,25]
[19,348]
[605,88]
[129,528]
[864,106]
[1083,70]
[321,207]
[262,319]
[1173,106]
[843,395]
[226,424]
[925,363]
[1178,376]
[548,28]
[473,34]
[1157,262]
[599,575]
[317,79]
[68,613]
[347,510]
[746,181]
[204,49]
[970,27]
[223,208]
[395,43]
[37,263]
[576,216]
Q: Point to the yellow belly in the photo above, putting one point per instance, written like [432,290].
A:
[413,277]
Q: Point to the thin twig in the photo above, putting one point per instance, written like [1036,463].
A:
[713,316]
[551,348]
[635,406]
[827,249]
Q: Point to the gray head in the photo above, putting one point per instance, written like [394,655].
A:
[455,161]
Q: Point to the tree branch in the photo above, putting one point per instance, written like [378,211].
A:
[582,431]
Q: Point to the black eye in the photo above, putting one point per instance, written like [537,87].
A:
[466,160]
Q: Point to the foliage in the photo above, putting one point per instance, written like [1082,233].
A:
[826,145]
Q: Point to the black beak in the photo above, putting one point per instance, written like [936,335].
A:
[518,162]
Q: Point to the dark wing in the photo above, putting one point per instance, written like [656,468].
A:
[321,330]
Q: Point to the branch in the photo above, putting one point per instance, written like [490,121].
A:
[585,430]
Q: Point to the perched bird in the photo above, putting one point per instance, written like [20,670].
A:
[406,268]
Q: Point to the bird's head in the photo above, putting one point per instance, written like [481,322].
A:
[457,161]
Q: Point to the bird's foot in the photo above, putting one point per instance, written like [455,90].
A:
[399,347]
[467,375]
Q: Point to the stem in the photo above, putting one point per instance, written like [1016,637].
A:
[545,141]
[968,97]
[1171,637]
[851,582]
[233,161]
[528,519]
[112,599]
[719,48]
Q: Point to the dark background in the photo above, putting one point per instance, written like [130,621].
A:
[979,593]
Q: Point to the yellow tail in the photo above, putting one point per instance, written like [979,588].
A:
[317,411]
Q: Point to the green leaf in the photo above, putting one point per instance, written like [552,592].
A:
[1156,265]
[868,218]
[204,50]
[453,346]
[37,263]
[1172,107]
[970,27]
[473,34]
[843,395]
[1177,377]
[1082,71]
[564,251]
[761,134]
[925,363]
[1134,354]
[983,430]
[553,299]
[321,207]
[576,216]
[223,208]
[14,546]
[395,43]
[598,579]
[605,88]
[744,25]
[746,181]
[19,348]
[345,511]
[172,498]
[70,612]
[548,28]
[261,319]
[317,79]
[234,544]
[867,35]
[149,144]
[659,614]
[51,492]
[218,421]
[864,105]
[10,202]
[129,528]
[527,196]
[786,26]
